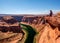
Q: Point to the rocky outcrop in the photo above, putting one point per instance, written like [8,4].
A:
[49,35]
[48,28]
[8,23]
[31,19]
[10,30]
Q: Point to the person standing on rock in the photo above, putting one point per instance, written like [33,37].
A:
[51,13]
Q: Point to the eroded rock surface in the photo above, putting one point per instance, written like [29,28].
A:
[10,30]
[47,27]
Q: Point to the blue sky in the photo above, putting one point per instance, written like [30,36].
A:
[28,6]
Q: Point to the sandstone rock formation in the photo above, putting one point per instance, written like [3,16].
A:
[8,23]
[10,30]
[48,28]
